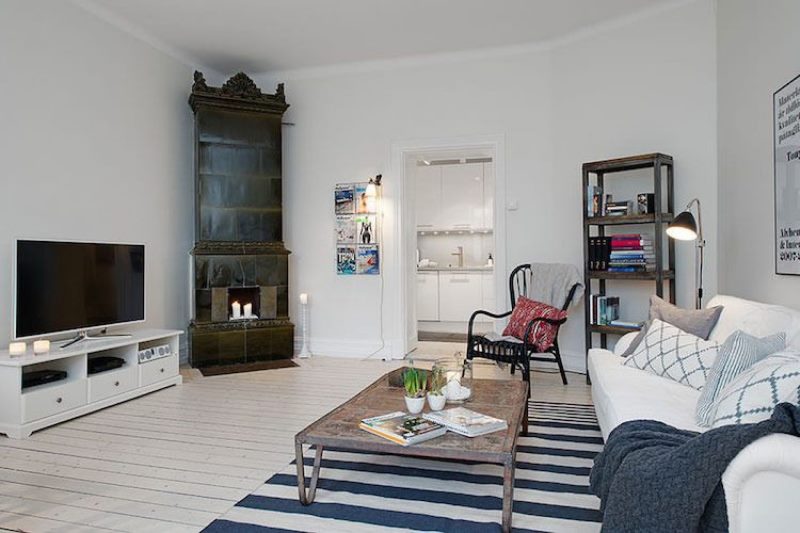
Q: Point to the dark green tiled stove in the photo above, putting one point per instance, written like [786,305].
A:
[239,254]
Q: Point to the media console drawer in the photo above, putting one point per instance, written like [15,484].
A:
[158,370]
[53,399]
[107,384]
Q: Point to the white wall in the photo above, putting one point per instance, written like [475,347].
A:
[95,144]
[648,85]
[757,54]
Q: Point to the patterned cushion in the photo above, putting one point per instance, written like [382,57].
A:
[753,395]
[674,354]
[739,352]
[543,334]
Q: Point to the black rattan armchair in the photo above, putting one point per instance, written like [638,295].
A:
[517,352]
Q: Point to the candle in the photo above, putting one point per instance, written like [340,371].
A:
[248,310]
[17,348]
[237,310]
[304,298]
[40,347]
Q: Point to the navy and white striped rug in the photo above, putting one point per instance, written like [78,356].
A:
[363,492]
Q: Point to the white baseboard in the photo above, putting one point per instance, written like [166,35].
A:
[350,348]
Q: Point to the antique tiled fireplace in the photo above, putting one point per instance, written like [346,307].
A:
[241,313]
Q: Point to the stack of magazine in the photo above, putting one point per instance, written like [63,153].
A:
[466,422]
[405,429]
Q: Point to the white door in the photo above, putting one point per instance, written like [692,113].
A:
[428,200]
[462,196]
[488,195]
[460,295]
[428,296]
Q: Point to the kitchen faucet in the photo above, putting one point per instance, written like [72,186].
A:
[460,254]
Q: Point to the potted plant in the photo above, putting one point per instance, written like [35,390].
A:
[438,383]
[414,383]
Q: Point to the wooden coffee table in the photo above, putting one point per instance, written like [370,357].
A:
[339,429]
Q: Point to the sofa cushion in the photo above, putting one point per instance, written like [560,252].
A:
[755,318]
[753,395]
[674,354]
[739,352]
[698,322]
[621,393]
[543,334]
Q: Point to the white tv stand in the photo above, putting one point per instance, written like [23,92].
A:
[23,411]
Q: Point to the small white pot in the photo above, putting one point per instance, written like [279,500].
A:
[415,405]
[436,401]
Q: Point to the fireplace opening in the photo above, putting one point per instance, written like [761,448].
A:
[244,303]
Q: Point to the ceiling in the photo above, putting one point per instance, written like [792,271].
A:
[267,35]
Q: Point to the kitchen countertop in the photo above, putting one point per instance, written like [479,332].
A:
[456,269]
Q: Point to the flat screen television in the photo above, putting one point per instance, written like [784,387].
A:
[64,287]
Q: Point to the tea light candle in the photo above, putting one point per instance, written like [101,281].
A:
[16,349]
[248,310]
[237,310]
[41,347]
[304,298]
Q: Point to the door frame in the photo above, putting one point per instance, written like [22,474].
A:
[404,292]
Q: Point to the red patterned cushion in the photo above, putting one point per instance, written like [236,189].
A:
[543,334]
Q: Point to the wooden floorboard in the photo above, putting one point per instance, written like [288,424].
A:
[176,459]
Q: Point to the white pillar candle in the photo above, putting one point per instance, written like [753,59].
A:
[237,309]
[304,298]
[17,348]
[40,347]
[248,310]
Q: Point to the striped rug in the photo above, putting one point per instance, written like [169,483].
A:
[362,492]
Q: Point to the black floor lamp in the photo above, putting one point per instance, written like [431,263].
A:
[685,228]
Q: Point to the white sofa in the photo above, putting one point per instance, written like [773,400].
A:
[762,484]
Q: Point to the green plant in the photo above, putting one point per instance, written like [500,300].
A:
[438,381]
[414,382]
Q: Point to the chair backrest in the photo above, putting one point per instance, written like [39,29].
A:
[520,283]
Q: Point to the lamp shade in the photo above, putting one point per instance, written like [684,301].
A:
[683,228]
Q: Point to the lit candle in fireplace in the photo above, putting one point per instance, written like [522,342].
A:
[248,310]
[237,310]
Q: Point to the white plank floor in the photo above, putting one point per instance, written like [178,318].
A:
[177,459]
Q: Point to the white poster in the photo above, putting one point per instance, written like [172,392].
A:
[786,105]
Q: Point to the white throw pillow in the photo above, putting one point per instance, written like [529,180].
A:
[753,395]
[674,354]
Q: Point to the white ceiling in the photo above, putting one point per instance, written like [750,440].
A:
[267,35]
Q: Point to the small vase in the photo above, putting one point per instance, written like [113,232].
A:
[436,401]
[415,405]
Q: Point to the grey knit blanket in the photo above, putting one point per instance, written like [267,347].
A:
[653,477]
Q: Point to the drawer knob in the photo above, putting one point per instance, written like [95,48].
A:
[58,400]
[162,370]
[116,383]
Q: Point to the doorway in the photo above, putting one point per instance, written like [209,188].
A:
[453,239]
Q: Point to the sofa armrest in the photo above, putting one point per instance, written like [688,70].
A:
[624,342]
[761,485]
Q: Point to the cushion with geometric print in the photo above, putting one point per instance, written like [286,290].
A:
[674,354]
[543,334]
[753,395]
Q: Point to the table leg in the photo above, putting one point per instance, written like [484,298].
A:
[508,494]
[307,498]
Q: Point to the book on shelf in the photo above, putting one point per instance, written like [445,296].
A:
[618,208]
[599,250]
[466,422]
[594,196]
[603,309]
[633,326]
[403,428]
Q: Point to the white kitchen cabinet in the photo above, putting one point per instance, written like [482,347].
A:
[488,195]
[427,296]
[428,197]
[462,196]
[488,292]
[460,294]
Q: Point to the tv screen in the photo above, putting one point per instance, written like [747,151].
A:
[68,286]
